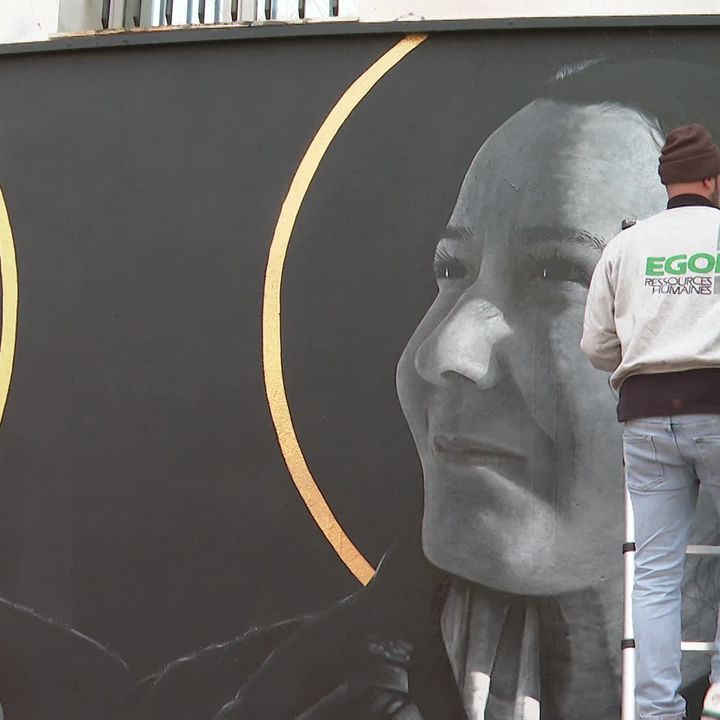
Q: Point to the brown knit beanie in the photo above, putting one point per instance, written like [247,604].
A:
[689,154]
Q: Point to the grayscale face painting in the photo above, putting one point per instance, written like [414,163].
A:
[517,434]
[520,451]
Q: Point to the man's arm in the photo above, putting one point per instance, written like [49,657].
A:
[600,341]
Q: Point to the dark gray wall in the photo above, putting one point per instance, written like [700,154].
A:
[143,498]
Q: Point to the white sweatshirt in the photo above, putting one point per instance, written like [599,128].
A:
[654,299]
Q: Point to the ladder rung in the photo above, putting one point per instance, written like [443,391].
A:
[697,646]
[703,549]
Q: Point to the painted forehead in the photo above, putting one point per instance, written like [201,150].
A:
[554,164]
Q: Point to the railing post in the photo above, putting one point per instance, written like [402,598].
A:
[105,17]
[133,10]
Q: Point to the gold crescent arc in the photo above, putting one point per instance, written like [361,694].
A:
[9,279]
[271,327]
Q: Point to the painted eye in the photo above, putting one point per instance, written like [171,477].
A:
[447,266]
[560,270]
[450,269]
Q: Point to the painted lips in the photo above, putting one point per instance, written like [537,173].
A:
[462,450]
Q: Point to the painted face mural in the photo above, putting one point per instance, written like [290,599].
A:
[515,430]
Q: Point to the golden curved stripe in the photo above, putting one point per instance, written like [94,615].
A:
[8,275]
[272,346]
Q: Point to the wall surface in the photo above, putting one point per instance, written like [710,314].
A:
[24,21]
[254,348]
[430,9]
[79,15]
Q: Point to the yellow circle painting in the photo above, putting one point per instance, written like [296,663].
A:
[9,296]
[272,346]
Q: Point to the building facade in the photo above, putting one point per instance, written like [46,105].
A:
[21,21]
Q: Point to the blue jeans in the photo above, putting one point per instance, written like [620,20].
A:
[667,459]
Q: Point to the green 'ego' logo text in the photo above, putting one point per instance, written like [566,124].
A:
[682,264]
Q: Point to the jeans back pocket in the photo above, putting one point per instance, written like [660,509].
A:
[642,469]
[708,449]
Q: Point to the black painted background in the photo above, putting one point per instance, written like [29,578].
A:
[142,494]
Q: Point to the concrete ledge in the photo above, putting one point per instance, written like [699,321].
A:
[174,35]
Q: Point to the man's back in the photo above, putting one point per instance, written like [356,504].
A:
[664,276]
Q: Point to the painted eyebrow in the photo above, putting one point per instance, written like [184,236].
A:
[460,233]
[561,234]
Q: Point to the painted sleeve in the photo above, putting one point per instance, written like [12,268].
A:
[599,340]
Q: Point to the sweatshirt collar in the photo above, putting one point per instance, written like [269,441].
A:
[688,201]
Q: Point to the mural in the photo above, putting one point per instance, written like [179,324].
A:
[457,454]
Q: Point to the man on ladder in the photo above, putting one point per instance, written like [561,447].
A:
[653,320]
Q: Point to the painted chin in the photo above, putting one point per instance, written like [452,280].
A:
[507,558]
[507,546]
[490,520]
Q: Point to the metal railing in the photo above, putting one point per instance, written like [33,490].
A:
[155,13]
[333,8]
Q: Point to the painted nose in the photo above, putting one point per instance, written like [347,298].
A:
[465,344]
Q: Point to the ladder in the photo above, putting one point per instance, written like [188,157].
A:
[628,641]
